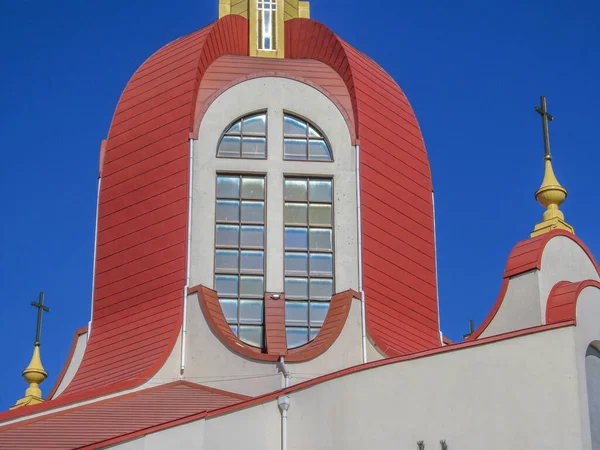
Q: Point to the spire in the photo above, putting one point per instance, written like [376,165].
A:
[550,194]
[267,21]
[35,374]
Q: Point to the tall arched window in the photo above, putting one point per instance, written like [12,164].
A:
[306,218]
[592,372]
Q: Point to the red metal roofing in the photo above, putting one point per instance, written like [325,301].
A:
[526,256]
[142,222]
[562,301]
[101,421]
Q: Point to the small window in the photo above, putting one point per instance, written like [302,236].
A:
[308,221]
[267,24]
[246,138]
[303,142]
[240,254]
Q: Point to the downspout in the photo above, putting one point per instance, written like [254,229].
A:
[437,289]
[89,331]
[363,309]
[284,403]
[188,264]
[100,165]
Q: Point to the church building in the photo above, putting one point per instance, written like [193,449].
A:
[265,271]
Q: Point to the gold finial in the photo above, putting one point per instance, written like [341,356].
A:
[550,194]
[35,374]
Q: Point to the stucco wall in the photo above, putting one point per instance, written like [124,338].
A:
[209,362]
[519,393]
[524,304]
[587,332]
[592,372]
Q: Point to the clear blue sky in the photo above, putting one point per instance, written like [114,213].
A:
[472,70]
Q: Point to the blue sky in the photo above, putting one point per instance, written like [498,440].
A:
[472,70]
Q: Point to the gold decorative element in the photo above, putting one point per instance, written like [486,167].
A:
[551,195]
[285,10]
[304,10]
[34,375]
[224,8]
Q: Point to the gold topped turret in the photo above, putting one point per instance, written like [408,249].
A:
[551,193]
[35,374]
[267,21]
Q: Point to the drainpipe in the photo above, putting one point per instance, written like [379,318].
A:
[284,403]
[89,330]
[363,310]
[188,265]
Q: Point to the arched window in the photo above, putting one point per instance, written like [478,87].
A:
[302,141]
[592,373]
[246,138]
[306,218]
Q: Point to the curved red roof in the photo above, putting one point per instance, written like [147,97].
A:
[142,219]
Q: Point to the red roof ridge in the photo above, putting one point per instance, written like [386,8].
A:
[563,298]
[61,375]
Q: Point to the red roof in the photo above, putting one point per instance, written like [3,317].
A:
[125,416]
[142,214]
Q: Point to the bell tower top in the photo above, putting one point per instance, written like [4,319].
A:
[267,21]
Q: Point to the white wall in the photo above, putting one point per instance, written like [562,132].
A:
[592,372]
[519,393]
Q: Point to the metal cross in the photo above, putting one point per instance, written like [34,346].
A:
[545,118]
[41,308]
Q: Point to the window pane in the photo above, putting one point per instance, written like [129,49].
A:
[252,335]
[296,288]
[228,210]
[256,125]
[252,236]
[252,287]
[234,329]
[296,313]
[296,238]
[230,309]
[229,147]
[318,151]
[235,128]
[228,187]
[296,190]
[252,262]
[313,133]
[254,147]
[320,215]
[321,289]
[253,212]
[226,285]
[321,240]
[321,265]
[296,336]
[295,149]
[293,126]
[314,332]
[226,261]
[319,191]
[251,312]
[318,311]
[296,264]
[253,188]
[227,235]
[296,214]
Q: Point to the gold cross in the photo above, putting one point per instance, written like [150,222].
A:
[546,117]
[41,308]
